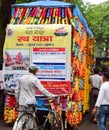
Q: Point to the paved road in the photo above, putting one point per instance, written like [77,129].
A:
[85,125]
[4,126]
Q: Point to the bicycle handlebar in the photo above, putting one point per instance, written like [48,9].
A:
[51,98]
[45,102]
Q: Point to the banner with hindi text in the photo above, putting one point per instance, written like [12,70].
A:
[48,46]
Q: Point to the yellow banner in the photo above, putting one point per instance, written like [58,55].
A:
[48,46]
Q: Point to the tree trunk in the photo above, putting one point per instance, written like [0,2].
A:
[5,15]
[107,49]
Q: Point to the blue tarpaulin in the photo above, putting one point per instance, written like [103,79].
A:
[76,11]
[45,4]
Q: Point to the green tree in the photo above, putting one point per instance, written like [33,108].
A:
[97,18]
[22,1]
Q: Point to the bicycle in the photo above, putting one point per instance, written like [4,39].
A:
[28,122]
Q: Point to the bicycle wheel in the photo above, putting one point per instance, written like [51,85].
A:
[56,121]
[26,122]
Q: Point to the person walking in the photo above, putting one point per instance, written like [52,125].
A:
[25,93]
[95,80]
[102,104]
[27,86]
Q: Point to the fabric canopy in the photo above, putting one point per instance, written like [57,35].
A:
[45,4]
[58,4]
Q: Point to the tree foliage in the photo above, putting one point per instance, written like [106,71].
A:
[22,1]
[97,17]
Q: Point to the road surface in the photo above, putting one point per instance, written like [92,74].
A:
[85,125]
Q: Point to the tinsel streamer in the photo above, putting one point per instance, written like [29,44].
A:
[66,16]
[50,17]
[47,17]
[63,15]
[59,16]
[53,17]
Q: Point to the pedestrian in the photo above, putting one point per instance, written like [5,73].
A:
[95,80]
[27,87]
[102,103]
[26,91]
[2,96]
[2,100]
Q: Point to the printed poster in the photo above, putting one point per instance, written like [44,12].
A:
[47,46]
